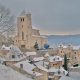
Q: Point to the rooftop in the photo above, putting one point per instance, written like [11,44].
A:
[30,53]
[27,67]
[55,58]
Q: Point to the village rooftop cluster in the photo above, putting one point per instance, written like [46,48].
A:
[24,61]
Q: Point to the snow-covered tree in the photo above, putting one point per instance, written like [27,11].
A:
[6,21]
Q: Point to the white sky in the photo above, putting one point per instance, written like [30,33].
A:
[50,16]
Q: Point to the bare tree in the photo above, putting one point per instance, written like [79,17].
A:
[6,21]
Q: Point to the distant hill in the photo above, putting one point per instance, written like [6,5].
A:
[62,35]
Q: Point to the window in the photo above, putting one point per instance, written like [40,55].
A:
[22,46]
[61,51]
[21,65]
[13,56]
[23,19]
[22,35]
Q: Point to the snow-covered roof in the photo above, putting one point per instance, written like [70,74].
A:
[51,76]
[15,59]
[42,68]
[47,54]
[43,36]
[15,49]
[6,73]
[27,67]
[61,69]
[41,63]
[38,58]
[5,48]
[76,47]
[39,36]
[55,58]
[12,49]
[53,69]
[30,53]
[36,36]
[63,46]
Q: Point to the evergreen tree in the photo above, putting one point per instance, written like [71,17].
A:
[36,46]
[65,62]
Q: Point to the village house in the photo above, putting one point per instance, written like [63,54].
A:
[11,54]
[43,67]
[26,35]
[55,61]
[72,52]
[51,67]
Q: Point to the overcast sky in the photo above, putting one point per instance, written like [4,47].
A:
[50,16]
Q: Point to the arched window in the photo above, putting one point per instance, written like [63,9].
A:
[23,19]
[22,35]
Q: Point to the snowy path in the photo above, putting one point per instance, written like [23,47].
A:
[75,75]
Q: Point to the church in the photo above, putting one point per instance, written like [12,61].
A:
[26,35]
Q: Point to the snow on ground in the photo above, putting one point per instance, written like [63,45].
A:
[72,76]
[66,78]
[75,75]
[6,73]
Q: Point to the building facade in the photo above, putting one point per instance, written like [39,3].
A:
[27,36]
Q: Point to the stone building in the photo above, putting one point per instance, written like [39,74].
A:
[27,36]
[55,61]
[73,53]
[11,54]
